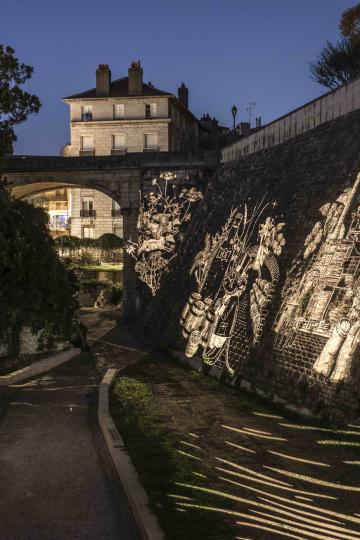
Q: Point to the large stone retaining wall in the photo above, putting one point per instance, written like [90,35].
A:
[265,288]
[325,108]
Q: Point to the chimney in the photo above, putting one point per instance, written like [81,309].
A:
[103,78]
[135,79]
[183,95]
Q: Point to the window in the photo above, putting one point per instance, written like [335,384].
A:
[86,113]
[87,204]
[88,232]
[87,208]
[87,142]
[119,111]
[152,141]
[150,110]
[119,141]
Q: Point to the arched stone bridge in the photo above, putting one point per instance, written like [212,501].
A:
[123,178]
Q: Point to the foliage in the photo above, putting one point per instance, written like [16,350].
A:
[339,63]
[15,103]
[109,241]
[36,289]
[350,22]
[105,242]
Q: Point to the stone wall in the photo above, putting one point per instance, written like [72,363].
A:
[265,287]
[29,344]
[324,109]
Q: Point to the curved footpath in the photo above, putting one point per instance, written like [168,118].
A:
[57,479]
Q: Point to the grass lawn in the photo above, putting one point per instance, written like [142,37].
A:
[209,456]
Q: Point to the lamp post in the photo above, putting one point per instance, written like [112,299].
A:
[234,113]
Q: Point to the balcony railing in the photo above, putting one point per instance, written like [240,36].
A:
[116,212]
[151,148]
[86,117]
[118,151]
[87,213]
[87,152]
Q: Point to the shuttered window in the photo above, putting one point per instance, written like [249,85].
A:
[119,141]
[151,140]
[87,142]
[119,111]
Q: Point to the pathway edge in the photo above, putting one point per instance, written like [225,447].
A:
[37,368]
[138,500]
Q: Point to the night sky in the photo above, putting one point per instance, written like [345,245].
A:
[227,51]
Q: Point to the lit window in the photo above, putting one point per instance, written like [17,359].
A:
[86,112]
[152,140]
[88,232]
[119,111]
[150,110]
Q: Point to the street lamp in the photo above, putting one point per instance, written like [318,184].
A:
[234,113]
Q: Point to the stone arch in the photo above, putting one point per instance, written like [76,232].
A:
[122,186]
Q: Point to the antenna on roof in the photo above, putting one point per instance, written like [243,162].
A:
[251,106]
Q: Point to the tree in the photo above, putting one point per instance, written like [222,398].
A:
[15,103]
[350,22]
[339,63]
[36,289]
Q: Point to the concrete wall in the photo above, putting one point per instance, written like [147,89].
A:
[29,343]
[307,117]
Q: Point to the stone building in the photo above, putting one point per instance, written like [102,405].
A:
[85,213]
[128,115]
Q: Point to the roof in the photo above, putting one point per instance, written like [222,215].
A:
[120,88]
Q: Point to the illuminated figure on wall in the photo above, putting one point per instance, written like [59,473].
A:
[325,301]
[239,264]
[161,218]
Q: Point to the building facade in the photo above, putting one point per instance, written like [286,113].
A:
[127,115]
[85,213]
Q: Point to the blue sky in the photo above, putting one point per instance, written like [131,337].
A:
[227,51]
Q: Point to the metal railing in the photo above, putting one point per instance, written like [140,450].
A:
[87,213]
[87,152]
[118,151]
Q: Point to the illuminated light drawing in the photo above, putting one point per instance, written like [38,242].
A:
[324,302]
[237,430]
[338,443]
[235,272]
[313,480]
[188,455]
[162,216]
[300,460]
[275,485]
[240,447]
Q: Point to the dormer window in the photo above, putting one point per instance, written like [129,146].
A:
[86,113]
[150,110]
[119,111]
